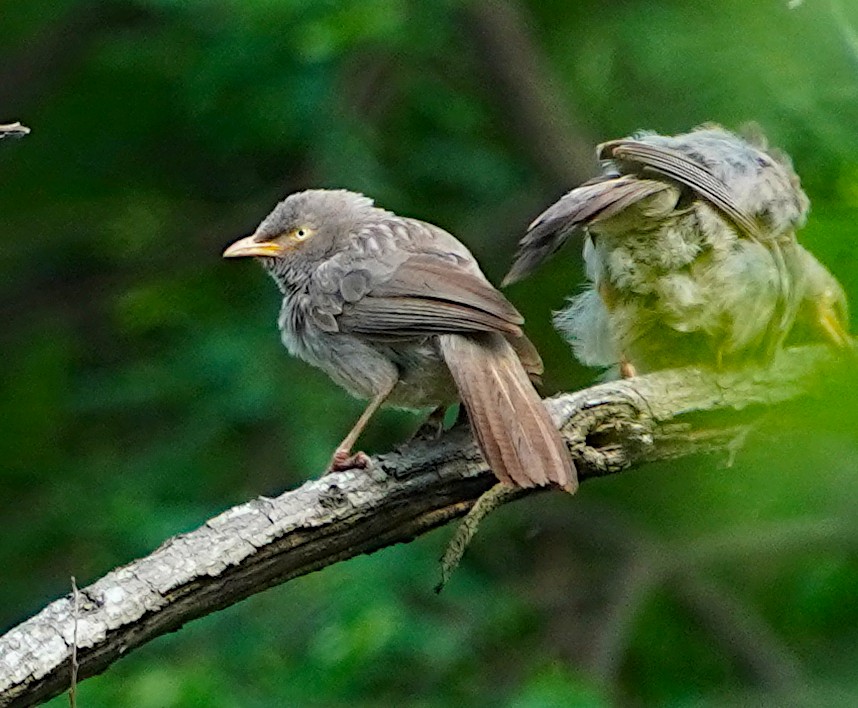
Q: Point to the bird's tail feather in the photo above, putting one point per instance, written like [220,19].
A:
[512,426]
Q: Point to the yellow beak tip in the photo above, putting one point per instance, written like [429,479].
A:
[232,252]
[248,247]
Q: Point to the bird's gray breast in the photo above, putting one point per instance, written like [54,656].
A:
[296,326]
[311,335]
[362,366]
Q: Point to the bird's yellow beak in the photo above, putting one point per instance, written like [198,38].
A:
[247,246]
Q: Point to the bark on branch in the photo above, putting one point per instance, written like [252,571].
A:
[609,428]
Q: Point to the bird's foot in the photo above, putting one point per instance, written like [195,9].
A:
[344,460]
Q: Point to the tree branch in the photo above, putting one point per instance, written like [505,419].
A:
[609,428]
[527,92]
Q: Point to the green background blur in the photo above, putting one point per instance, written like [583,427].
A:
[144,388]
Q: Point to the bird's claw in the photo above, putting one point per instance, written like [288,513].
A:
[344,460]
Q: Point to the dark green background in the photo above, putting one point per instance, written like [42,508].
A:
[144,387]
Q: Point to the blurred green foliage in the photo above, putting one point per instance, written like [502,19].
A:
[144,387]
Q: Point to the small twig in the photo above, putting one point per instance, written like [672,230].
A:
[74,663]
[13,130]
[493,499]
[734,446]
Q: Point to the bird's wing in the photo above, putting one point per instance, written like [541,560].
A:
[685,170]
[427,293]
[596,200]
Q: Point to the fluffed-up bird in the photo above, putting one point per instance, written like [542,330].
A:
[691,255]
[397,311]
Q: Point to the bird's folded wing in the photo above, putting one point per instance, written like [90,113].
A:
[429,294]
[685,170]
[596,200]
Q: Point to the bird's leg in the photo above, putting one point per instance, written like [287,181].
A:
[627,369]
[433,426]
[343,458]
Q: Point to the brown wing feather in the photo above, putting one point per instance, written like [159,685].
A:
[595,201]
[687,171]
[403,317]
[430,295]
[435,277]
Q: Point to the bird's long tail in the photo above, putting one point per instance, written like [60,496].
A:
[512,426]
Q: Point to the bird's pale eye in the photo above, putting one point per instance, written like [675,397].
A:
[301,234]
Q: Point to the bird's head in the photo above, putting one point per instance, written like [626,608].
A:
[304,227]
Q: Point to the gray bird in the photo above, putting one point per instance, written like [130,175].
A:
[397,311]
[691,254]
